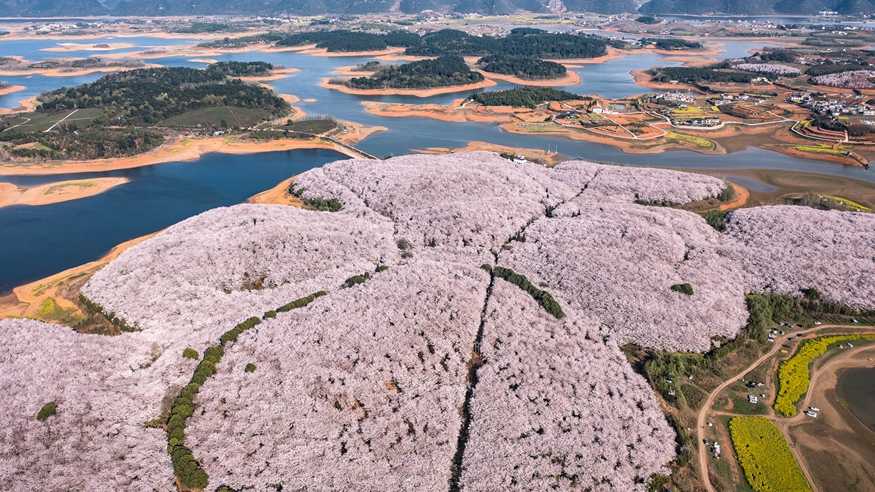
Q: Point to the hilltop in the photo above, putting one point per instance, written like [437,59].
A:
[421,323]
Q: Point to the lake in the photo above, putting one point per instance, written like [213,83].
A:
[39,241]
[856,387]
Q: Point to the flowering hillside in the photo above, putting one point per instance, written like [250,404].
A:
[454,322]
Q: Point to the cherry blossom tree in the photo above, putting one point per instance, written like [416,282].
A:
[415,367]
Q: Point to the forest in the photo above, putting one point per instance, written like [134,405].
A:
[527,42]
[439,72]
[704,74]
[522,67]
[520,42]
[528,97]
[147,96]
[671,43]
[343,40]
[127,113]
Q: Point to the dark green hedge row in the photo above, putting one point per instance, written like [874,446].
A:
[543,298]
[185,466]
[318,203]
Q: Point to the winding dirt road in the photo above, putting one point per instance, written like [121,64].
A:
[701,417]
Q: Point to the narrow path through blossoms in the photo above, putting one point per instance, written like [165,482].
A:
[476,359]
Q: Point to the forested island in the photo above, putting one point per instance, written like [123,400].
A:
[439,72]
[520,42]
[692,75]
[522,67]
[130,112]
[670,44]
[528,97]
[525,42]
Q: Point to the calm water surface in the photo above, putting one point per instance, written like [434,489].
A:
[39,241]
[856,386]
[42,240]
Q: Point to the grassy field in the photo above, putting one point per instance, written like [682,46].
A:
[822,149]
[765,457]
[40,122]
[794,374]
[216,117]
[315,126]
[700,142]
[850,204]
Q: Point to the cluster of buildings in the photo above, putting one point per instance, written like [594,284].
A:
[730,98]
[673,98]
[832,105]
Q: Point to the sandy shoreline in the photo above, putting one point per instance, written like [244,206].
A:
[63,47]
[182,149]
[570,78]
[548,159]
[643,79]
[277,195]
[26,300]
[57,192]
[11,89]
[453,112]
[275,74]
[19,36]
[435,91]
[25,105]
[63,72]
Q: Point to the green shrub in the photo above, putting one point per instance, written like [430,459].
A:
[250,367]
[190,353]
[716,219]
[299,303]
[316,203]
[727,194]
[50,409]
[381,268]
[547,302]
[356,280]
[683,288]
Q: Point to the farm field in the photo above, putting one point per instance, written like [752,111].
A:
[794,373]
[217,117]
[765,457]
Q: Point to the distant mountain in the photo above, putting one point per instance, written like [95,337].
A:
[758,7]
[34,8]
[43,8]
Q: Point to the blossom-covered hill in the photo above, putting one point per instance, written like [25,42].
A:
[455,325]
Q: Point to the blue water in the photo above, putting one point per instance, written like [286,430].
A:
[38,241]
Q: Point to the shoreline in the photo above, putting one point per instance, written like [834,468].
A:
[19,36]
[11,89]
[570,78]
[180,150]
[547,159]
[326,83]
[644,80]
[64,47]
[452,113]
[62,72]
[56,192]
[27,300]
[26,105]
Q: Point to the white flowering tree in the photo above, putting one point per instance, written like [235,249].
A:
[397,362]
